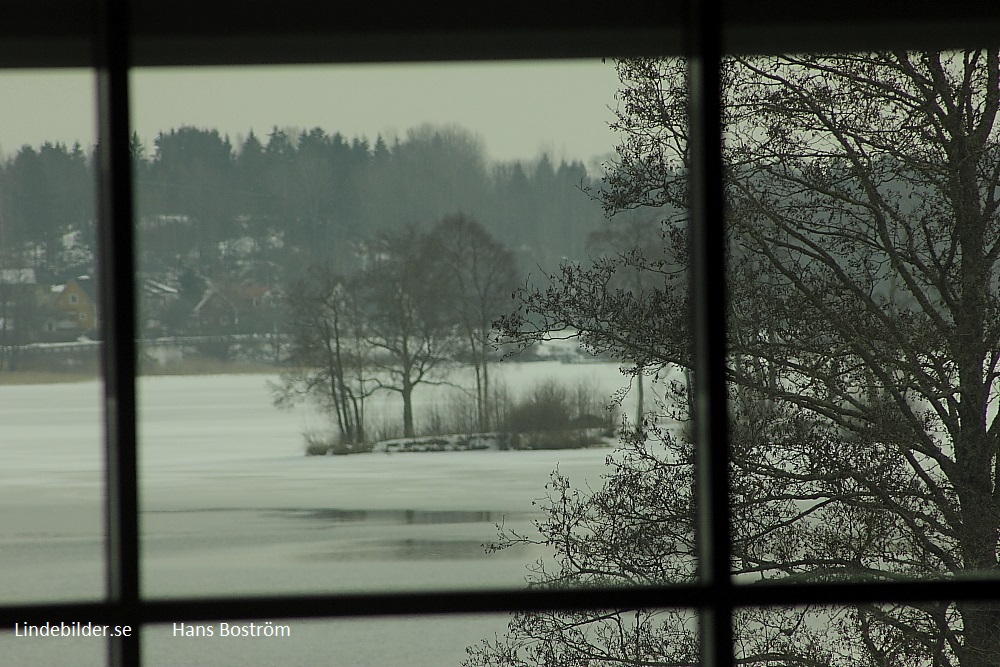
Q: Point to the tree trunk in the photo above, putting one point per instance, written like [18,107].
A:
[981,629]
[640,400]
[359,425]
[975,448]
[407,394]
[485,426]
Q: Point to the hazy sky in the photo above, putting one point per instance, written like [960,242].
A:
[519,109]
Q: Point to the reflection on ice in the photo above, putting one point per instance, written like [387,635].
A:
[401,516]
[413,549]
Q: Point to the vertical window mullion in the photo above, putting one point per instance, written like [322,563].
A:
[707,239]
[116,265]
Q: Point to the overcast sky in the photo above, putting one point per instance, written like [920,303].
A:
[519,109]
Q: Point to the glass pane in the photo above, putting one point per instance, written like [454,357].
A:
[863,328]
[51,480]
[430,641]
[32,645]
[601,638]
[352,271]
[922,635]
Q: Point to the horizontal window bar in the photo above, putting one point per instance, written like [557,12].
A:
[58,33]
[470,602]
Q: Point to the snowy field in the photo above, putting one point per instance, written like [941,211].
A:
[229,505]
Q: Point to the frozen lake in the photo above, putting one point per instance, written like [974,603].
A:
[229,505]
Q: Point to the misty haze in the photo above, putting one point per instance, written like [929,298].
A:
[257,256]
[390,362]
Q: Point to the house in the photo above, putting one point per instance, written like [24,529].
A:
[159,308]
[235,308]
[76,304]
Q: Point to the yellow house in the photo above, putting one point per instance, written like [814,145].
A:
[78,302]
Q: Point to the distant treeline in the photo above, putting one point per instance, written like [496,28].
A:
[267,207]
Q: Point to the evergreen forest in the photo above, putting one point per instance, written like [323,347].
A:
[256,213]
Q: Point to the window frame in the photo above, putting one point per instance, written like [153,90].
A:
[114,35]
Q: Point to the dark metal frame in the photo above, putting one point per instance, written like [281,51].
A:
[103,34]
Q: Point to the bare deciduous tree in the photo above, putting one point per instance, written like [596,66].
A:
[329,363]
[406,320]
[636,242]
[864,339]
[477,276]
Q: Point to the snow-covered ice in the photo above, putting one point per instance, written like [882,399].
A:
[229,505]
